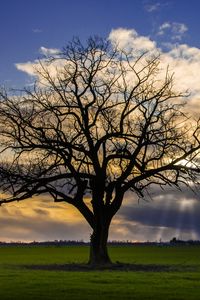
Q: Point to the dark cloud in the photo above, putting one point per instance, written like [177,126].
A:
[166,214]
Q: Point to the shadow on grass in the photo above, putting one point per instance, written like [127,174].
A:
[111,267]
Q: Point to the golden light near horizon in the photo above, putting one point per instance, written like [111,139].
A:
[131,39]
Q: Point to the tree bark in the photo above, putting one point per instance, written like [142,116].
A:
[98,246]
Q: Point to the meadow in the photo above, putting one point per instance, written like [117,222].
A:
[177,275]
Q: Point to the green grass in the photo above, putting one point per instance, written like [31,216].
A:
[18,283]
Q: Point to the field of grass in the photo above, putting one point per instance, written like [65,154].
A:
[182,281]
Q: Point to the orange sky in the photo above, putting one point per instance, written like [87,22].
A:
[41,219]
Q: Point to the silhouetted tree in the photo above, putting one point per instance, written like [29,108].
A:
[99,122]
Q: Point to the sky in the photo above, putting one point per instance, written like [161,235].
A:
[29,29]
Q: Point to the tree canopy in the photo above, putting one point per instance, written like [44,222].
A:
[98,122]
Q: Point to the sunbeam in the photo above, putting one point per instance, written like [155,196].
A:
[163,219]
[186,209]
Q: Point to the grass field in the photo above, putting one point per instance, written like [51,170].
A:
[182,281]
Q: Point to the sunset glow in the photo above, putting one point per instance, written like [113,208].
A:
[161,28]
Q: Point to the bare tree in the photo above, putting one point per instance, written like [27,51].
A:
[98,122]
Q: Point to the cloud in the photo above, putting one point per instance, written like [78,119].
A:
[35,69]
[36,219]
[49,51]
[152,7]
[130,40]
[162,214]
[28,67]
[23,229]
[163,27]
[37,30]
[31,67]
[183,60]
[174,29]
[168,215]
[171,213]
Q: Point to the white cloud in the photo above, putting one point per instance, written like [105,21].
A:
[31,67]
[34,68]
[28,67]
[163,27]
[182,59]
[175,29]
[129,39]
[185,61]
[49,51]
[180,27]
[152,7]
[185,52]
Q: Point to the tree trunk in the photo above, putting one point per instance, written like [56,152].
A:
[98,246]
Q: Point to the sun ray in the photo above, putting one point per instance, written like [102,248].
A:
[187,208]
[163,219]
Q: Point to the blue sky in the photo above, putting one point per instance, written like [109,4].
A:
[171,25]
[25,26]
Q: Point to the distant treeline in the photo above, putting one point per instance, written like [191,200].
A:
[60,243]
[173,241]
